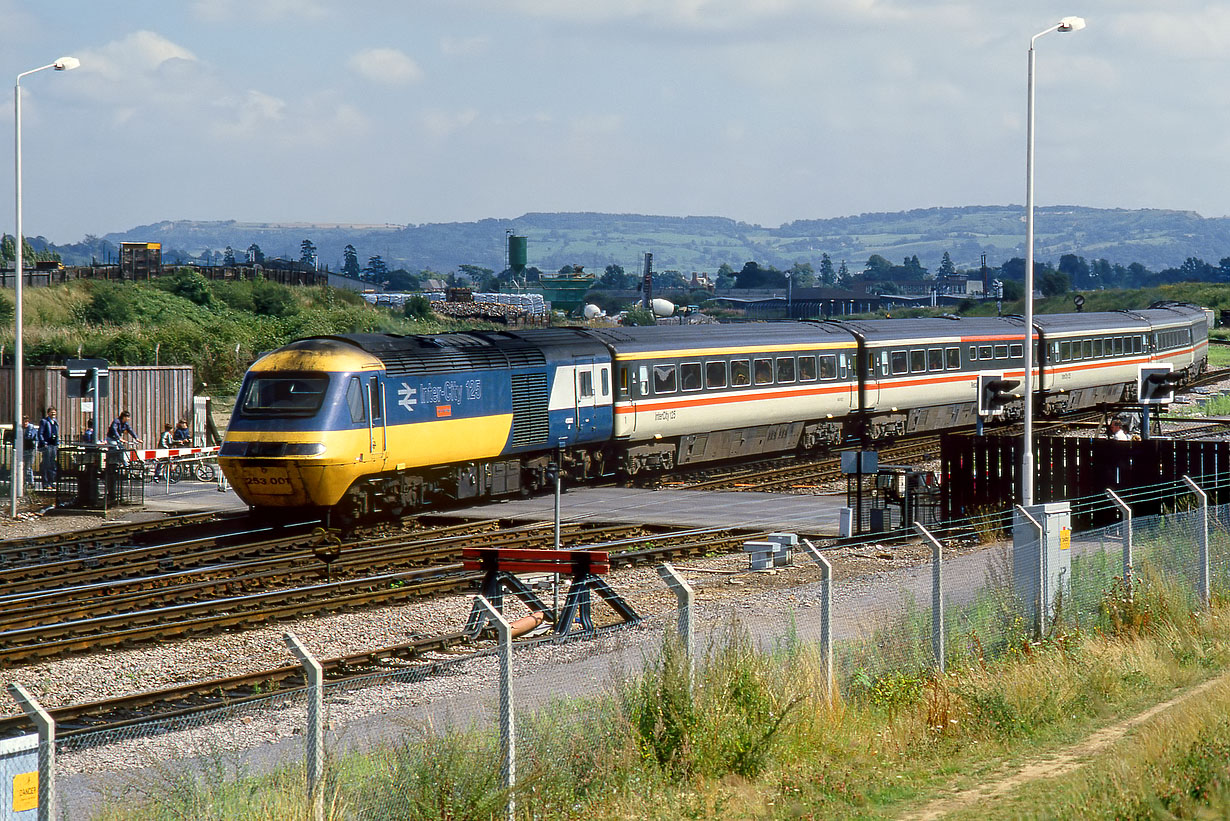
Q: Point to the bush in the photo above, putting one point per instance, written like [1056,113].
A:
[190,285]
[109,304]
[272,299]
[417,307]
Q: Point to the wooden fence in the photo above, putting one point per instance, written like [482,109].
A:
[980,474]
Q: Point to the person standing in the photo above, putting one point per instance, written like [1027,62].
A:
[165,442]
[182,435]
[49,436]
[29,442]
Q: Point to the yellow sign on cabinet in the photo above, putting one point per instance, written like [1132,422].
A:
[25,792]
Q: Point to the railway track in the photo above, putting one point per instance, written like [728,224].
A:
[627,549]
[134,598]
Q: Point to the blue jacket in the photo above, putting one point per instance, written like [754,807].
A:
[49,431]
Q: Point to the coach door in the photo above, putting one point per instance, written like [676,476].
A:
[586,393]
[376,429]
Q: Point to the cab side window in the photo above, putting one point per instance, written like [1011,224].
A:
[354,401]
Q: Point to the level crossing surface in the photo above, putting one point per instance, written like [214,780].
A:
[817,515]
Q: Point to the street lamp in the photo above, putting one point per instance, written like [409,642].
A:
[1027,455]
[63,64]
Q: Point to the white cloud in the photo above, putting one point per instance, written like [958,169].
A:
[386,65]
[140,53]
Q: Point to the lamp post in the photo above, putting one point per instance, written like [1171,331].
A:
[63,64]
[1027,454]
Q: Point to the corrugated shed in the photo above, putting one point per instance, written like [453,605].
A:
[154,395]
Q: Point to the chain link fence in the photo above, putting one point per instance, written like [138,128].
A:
[532,728]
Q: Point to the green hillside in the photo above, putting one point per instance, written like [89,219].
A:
[1155,238]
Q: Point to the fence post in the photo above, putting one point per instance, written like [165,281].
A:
[46,750]
[1042,603]
[826,616]
[684,596]
[1202,582]
[937,596]
[508,729]
[1126,511]
[315,740]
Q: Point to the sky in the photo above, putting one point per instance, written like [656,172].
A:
[765,111]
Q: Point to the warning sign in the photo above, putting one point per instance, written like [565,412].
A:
[25,792]
[1065,538]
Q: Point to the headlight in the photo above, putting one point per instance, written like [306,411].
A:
[314,449]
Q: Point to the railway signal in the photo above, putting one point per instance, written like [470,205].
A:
[1156,384]
[994,392]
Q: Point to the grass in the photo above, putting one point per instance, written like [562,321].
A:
[217,327]
[756,735]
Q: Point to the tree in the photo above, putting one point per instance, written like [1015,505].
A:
[255,254]
[1054,283]
[613,278]
[376,269]
[843,275]
[1076,268]
[803,275]
[400,279]
[307,253]
[228,257]
[946,268]
[8,248]
[827,275]
[877,267]
[482,279]
[912,268]
[350,262]
[754,276]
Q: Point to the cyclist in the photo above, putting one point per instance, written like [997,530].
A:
[121,426]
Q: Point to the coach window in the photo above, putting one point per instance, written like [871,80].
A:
[1138,344]
[828,367]
[1001,351]
[984,352]
[918,361]
[785,370]
[1117,342]
[953,357]
[1087,349]
[354,401]
[901,362]
[585,383]
[606,382]
[843,366]
[1016,352]
[1065,351]
[689,376]
[644,380]
[715,374]
[935,359]
[1097,349]
[663,379]
[807,369]
[973,353]
[762,371]
[740,373]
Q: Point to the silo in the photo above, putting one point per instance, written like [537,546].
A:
[517,254]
